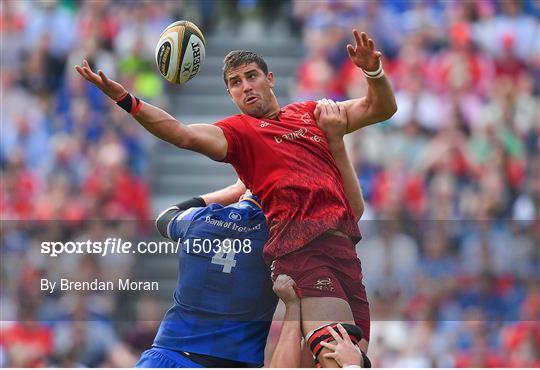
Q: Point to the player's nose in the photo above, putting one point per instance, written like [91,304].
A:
[246,86]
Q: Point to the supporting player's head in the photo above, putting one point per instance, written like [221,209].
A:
[249,83]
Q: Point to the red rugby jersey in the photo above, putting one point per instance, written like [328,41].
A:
[287,163]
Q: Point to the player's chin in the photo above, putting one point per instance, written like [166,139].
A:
[254,110]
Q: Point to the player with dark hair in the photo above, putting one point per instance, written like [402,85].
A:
[223,299]
[284,158]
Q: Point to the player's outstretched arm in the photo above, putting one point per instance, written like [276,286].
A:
[379,104]
[332,119]
[205,139]
[288,349]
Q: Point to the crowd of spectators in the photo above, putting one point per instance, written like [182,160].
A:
[451,232]
[72,166]
[451,229]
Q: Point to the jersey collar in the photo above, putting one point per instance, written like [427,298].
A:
[252,199]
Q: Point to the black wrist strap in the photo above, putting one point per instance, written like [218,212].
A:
[129,103]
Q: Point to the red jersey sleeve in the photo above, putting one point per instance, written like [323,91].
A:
[310,105]
[230,130]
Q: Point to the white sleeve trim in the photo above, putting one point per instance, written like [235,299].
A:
[177,218]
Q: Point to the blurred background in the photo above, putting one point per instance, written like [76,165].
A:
[450,253]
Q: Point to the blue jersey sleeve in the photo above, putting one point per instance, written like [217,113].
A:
[180,224]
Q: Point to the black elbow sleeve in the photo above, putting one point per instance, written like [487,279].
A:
[164,219]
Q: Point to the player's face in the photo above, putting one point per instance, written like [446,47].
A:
[251,89]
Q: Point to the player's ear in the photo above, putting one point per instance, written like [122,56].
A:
[226,80]
[230,96]
[270,77]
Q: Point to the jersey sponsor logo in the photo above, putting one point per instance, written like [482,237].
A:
[294,135]
[264,124]
[233,224]
[235,216]
[324,284]
[214,222]
[290,136]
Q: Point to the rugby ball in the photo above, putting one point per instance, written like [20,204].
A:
[180,52]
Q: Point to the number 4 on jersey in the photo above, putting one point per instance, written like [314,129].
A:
[226,259]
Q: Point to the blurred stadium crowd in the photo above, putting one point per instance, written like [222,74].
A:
[451,230]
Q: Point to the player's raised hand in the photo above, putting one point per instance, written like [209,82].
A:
[331,117]
[284,289]
[345,353]
[110,87]
[363,54]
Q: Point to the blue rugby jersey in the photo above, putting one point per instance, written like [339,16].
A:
[223,301]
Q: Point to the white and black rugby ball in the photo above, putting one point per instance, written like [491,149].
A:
[180,52]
